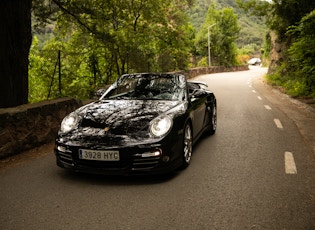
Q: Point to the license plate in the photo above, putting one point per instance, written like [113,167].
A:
[99,155]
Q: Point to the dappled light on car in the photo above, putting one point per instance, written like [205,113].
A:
[143,124]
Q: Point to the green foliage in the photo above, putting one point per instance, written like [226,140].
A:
[223,31]
[42,68]
[301,56]
[294,23]
[291,84]
[253,28]
[252,31]
[297,74]
[279,14]
[198,12]
[203,62]
[135,30]
[100,40]
[289,12]
[84,67]
[36,85]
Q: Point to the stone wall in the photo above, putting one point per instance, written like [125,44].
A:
[27,126]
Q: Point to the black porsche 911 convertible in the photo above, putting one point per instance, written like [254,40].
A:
[143,124]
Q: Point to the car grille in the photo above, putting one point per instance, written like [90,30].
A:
[147,163]
[66,158]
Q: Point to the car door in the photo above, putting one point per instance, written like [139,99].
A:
[198,99]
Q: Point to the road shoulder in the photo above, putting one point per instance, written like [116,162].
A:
[23,157]
[301,113]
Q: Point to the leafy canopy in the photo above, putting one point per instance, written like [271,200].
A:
[100,40]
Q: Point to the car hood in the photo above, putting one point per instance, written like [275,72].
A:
[123,117]
[114,121]
[118,123]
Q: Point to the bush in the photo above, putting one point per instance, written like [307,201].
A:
[297,73]
[291,82]
[203,62]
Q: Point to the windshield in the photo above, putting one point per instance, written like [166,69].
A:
[148,87]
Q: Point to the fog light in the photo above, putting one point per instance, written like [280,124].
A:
[154,153]
[61,149]
[166,158]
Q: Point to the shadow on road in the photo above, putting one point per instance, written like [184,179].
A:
[116,180]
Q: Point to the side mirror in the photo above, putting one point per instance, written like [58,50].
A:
[197,93]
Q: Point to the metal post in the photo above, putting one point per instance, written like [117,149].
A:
[59,73]
[209,54]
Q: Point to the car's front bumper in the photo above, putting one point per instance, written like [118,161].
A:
[134,159]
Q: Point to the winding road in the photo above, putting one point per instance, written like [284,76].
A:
[256,172]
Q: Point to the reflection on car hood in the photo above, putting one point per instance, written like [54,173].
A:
[123,117]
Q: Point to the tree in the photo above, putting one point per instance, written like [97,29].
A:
[15,42]
[100,40]
[301,57]
[293,22]
[279,14]
[223,36]
[134,32]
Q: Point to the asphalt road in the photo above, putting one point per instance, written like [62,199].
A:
[256,172]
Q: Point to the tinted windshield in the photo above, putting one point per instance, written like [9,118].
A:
[148,87]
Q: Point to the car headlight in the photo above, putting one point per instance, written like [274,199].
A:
[161,125]
[69,122]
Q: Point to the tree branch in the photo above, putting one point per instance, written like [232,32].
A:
[81,23]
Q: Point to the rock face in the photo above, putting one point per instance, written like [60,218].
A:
[277,52]
[27,126]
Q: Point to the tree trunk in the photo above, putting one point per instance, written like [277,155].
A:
[15,42]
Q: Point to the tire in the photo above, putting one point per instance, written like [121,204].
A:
[187,146]
[213,119]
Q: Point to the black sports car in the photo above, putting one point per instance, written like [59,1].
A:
[143,124]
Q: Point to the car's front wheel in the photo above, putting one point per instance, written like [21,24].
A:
[187,146]
[213,119]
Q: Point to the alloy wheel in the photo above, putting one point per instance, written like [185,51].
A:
[213,126]
[187,146]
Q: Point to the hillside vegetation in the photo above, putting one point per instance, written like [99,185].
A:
[292,24]
[253,29]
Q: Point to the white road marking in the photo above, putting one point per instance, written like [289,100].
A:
[249,83]
[267,107]
[290,166]
[278,123]
[259,98]
[254,91]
